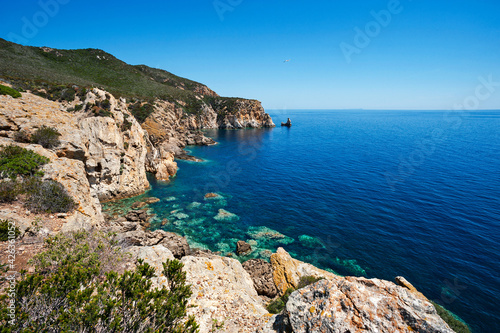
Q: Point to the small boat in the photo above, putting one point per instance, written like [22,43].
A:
[288,123]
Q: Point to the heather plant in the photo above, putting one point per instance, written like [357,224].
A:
[9,190]
[48,137]
[47,196]
[22,136]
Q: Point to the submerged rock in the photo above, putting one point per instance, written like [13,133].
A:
[224,215]
[193,205]
[242,248]
[265,233]
[262,275]
[213,196]
[310,241]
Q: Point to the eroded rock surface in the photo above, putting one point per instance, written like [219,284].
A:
[262,275]
[354,304]
[223,291]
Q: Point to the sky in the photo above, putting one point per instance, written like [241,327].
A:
[392,54]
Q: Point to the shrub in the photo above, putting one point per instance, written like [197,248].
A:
[141,111]
[48,137]
[308,280]
[16,161]
[277,305]
[455,324]
[78,107]
[74,295]
[4,230]
[4,90]
[9,189]
[48,196]
[22,136]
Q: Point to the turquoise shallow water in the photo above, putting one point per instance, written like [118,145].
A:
[367,193]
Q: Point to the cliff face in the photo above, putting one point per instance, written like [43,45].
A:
[113,155]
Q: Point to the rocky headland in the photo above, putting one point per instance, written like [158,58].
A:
[105,151]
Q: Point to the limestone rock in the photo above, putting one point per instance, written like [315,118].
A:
[401,281]
[288,271]
[71,174]
[354,304]
[262,275]
[224,291]
[155,256]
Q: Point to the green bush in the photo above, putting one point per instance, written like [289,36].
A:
[308,280]
[4,230]
[278,304]
[141,110]
[4,90]
[455,324]
[16,161]
[46,136]
[9,190]
[70,292]
[48,196]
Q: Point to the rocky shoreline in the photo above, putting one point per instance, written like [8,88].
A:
[106,158]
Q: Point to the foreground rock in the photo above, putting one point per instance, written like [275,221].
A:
[360,305]
[262,275]
[223,292]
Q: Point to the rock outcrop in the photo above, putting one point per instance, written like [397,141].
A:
[354,304]
[262,275]
[113,155]
[71,174]
[288,271]
[223,295]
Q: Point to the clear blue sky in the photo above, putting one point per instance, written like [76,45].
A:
[429,55]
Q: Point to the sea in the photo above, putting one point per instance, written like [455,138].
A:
[368,193]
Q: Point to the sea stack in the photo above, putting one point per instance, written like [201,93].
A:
[288,123]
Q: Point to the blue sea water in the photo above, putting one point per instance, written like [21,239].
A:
[367,193]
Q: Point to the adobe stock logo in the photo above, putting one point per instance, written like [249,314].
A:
[363,37]
[223,6]
[31,27]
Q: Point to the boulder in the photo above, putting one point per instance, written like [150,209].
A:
[177,244]
[155,256]
[261,273]
[242,248]
[136,216]
[223,291]
[355,304]
[288,271]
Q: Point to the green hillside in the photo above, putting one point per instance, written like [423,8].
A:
[62,74]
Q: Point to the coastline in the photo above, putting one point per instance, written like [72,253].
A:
[90,147]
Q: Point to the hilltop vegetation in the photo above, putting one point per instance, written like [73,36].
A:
[63,75]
